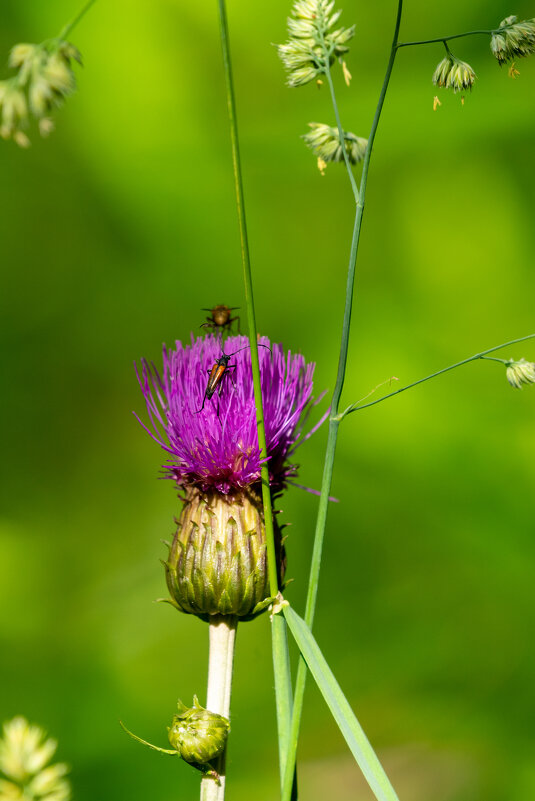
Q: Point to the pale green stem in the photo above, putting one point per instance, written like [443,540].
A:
[281,661]
[454,36]
[352,181]
[341,134]
[333,425]
[65,31]
[483,355]
[222,633]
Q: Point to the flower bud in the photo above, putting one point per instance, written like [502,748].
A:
[515,41]
[14,112]
[197,734]
[312,41]
[217,563]
[454,74]
[21,53]
[25,754]
[520,372]
[324,142]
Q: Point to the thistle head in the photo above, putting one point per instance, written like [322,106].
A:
[513,40]
[314,42]
[198,735]
[452,73]
[216,448]
[25,753]
[325,143]
[520,372]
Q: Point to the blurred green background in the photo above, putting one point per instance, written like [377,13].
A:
[114,233]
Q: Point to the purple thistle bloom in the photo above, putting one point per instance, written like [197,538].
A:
[217,448]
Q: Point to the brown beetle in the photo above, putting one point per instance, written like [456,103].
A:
[221,318]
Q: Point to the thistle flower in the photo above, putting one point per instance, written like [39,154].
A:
[515,41]
[454,74]
[520,372]
[324,142]
[45,79]
[25,753]
[313,42]
[217,562]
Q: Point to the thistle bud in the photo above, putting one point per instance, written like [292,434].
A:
[217,562]
[516,40]
[198,735]
[520,372]
[454,74]
[324,142]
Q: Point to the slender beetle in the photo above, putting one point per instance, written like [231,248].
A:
[218,372]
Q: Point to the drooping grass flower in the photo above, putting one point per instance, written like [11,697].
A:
[452,73]
[25,753]
[520,372]
[324,142]
[45,79]
[217,562]
[313,40]
[516,41]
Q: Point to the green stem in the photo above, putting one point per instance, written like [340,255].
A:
[74,22]
[454,36]
[483,355]
[341,135]
[281,662]
[334,423]
[222,632]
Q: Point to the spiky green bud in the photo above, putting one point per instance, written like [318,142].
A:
[520,372]
[198,735]
[517,40]
[324,142]
[217,563]
[454,74]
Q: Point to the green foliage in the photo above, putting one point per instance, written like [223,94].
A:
[121,227]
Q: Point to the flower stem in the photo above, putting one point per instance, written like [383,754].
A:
[281,662]
[222,632]
[483,355]
[341,135]
[65,31]
[334,424]
[454,36]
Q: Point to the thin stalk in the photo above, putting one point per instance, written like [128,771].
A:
[65,31]
[454,36]
[334,423]
[222,633]
[483,355]
[352,180]
[281,660]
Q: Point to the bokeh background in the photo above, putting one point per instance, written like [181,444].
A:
[114,233]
